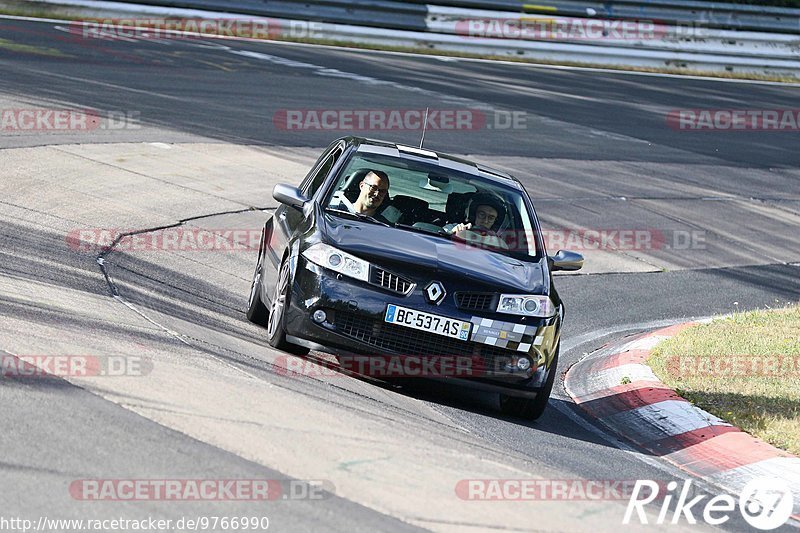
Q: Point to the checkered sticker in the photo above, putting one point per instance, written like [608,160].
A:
[506,335]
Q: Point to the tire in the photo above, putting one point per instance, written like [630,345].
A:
[257,312]
[531,408]
[276,322]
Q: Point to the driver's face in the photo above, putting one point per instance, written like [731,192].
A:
[373,190]
[485,216]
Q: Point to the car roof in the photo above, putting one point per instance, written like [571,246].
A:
[442,159]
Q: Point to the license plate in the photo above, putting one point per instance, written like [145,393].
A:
[411,318]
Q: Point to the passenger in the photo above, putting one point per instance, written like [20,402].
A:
[484,212]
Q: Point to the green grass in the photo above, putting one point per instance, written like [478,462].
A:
[744,369]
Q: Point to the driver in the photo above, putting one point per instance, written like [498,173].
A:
[484,211]
[373,190]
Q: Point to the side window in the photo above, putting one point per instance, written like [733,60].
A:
[317,177]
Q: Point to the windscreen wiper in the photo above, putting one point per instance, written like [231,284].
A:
[441,231]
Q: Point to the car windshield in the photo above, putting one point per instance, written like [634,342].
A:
[427,198]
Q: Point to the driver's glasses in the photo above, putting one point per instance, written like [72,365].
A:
[375,189]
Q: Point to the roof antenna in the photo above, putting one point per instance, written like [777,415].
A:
[424,127]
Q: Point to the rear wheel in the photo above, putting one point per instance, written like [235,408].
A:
[276,324]
[528,408]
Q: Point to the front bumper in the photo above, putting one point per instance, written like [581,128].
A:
[354,325]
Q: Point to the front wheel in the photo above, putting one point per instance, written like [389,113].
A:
[527,408]
[257,312]
[276,324]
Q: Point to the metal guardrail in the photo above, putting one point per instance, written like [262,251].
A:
[381,13]
[684,39]
[563,52]
[697,5]
[711,14]
[436,27]
[709,17]
[410,15]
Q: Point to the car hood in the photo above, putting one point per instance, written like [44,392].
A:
[406,250]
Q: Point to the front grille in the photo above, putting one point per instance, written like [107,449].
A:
[476,301]
[408,341]
[387,280]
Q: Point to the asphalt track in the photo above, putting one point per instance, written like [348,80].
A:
[596,151]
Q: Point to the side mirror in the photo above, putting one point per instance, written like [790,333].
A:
[566,260]
[289,195]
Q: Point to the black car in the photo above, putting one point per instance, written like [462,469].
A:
[404,281]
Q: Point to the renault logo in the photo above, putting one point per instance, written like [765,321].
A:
[435,292]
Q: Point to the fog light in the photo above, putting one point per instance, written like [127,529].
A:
[319,316]
[523,363]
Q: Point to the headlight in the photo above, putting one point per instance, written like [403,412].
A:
[526,305]
[338,261]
